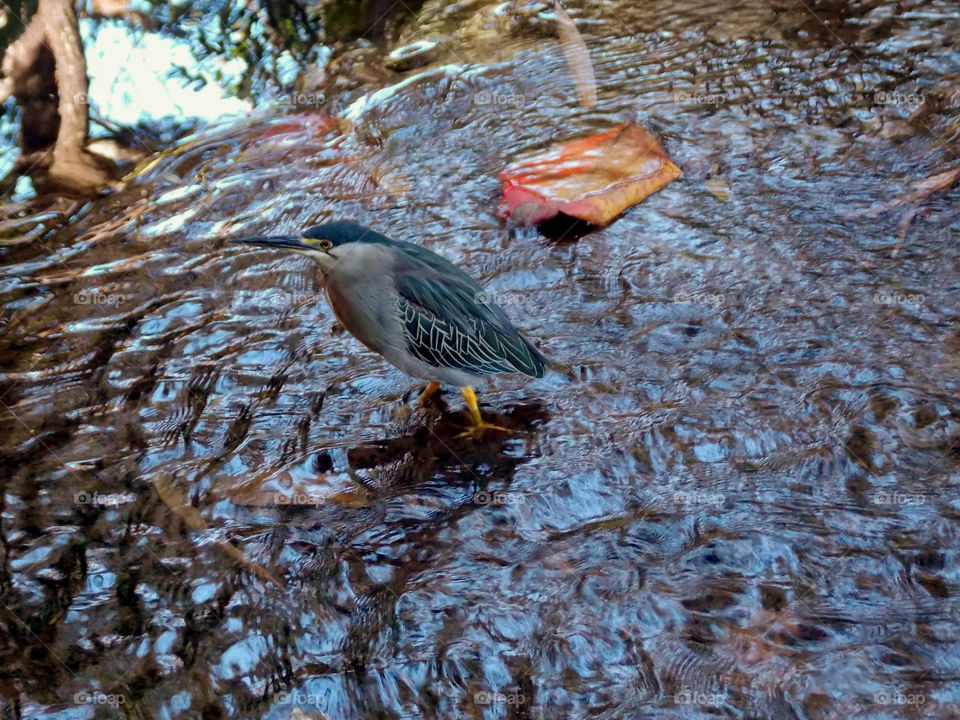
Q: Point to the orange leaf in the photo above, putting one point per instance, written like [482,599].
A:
[594,178]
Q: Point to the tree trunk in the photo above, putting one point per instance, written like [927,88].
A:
[53,29]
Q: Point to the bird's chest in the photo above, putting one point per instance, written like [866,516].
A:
[366,308]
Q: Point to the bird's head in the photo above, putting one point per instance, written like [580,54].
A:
[327,244]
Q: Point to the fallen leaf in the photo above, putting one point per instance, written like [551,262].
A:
[940,181]
[719,188]
[594,178]
[924,189]
[922,192]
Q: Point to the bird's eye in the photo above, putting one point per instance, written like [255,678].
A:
[324,244]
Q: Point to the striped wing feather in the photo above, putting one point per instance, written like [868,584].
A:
[446,325]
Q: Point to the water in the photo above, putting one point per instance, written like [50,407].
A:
[734,494]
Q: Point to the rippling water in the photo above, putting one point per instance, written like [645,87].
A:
[734,495]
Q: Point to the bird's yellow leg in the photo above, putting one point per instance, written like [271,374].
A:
[428,392]
[479,424]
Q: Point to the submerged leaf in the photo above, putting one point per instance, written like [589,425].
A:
[719,188]
[578,57]
[922,192]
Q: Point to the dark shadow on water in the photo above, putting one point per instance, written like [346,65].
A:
[565,229]
[436,448]
[419,485]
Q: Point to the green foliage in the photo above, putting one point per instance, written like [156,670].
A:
[259,37]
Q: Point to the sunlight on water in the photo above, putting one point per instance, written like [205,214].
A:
[733,494]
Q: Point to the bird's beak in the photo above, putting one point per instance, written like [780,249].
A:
[281,242]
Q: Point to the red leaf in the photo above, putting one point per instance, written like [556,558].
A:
[594,178]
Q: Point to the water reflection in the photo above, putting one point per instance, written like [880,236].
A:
[734,494]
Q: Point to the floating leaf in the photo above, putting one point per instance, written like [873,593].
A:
[719,188]
[594,178]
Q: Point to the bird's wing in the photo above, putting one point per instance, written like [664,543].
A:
[447,323]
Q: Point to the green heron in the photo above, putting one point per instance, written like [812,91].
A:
[419,311]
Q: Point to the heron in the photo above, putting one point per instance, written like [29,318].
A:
[419,311]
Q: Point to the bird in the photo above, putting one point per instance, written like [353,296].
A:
[419,311]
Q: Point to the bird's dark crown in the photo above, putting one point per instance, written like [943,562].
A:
[341,233]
